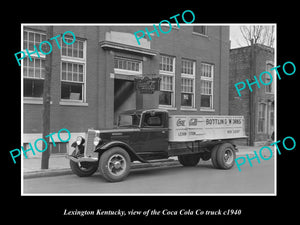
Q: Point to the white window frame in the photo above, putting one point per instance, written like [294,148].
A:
[188,76]
[273,77]
[210,79]
[76,60]
[32,100]
[171,74]
[200,34]
[126,71]
[260,115]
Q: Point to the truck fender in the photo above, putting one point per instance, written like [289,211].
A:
[123,145]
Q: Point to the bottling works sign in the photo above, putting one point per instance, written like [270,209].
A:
[147,85]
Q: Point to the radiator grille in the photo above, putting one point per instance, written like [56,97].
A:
[89,149]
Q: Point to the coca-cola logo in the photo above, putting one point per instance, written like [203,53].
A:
[180,123]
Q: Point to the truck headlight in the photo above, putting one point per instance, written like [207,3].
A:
[97,141]
[79,140]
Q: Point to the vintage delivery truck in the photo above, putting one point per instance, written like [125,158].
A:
[153,134]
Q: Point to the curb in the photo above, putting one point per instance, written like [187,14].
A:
[67,171]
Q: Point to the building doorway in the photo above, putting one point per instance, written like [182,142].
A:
[124,97]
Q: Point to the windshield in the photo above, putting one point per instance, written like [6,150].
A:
[126,120]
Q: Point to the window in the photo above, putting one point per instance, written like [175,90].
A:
[166,90]
[151,120]
[60,147]
[206,90]
[127,64]
[74,50]
[261,118]
[72,81]
[200,29]
[269,88]
[31,38]
[33,71]
[167,83]
[167,64]
[187,83]
[73,70]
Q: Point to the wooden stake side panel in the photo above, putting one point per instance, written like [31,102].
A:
[192,128]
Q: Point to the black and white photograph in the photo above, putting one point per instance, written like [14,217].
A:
[149,108]
[165,114]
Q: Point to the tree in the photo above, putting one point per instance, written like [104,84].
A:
[259,34]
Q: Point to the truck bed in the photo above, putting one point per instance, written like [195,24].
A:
[183,128]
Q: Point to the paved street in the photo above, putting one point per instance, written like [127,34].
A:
[203,179]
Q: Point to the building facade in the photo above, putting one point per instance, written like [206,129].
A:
[93,79]
[257,106]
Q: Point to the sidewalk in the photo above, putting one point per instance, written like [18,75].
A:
[59,165]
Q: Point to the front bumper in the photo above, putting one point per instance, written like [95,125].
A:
[81,159]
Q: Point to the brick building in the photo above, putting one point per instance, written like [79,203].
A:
[256,106]
[93,79]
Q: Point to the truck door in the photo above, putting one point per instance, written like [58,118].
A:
[154,132]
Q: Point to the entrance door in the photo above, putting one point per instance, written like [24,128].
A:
[124,97]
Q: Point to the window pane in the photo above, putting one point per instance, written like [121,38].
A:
[31,36]
[64,67]
[80,54]
[200,29]
[126,64]
[206,101]
[75,49]
[186,99]
[69,51]
[165,98]
[33,88]
[71,91]
[63,75]
[80,68]
[64,50]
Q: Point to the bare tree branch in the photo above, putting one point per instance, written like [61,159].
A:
[259,34]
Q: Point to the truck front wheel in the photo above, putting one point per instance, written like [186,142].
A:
[83,169]
[225,156]
[189,160]
[114,164]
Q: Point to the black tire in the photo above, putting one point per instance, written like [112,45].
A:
[189,160]
[226,156]
[114,164]
[83,169]
[214,152]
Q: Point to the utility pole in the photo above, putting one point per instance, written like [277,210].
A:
[251,97]
[46,101]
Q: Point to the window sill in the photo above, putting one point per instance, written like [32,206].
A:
[167,107]
[199,34]
[188,109]
[207,110]
[72,103]
[33,101]
[127,72]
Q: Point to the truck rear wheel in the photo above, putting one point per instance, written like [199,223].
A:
[189,160]
[114,164]
[83,169]
[214,152]
[225,156]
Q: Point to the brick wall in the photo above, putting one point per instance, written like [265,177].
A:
[98,111]
[240,71]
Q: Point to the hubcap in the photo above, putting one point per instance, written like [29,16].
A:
[116,164]
[228,156]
